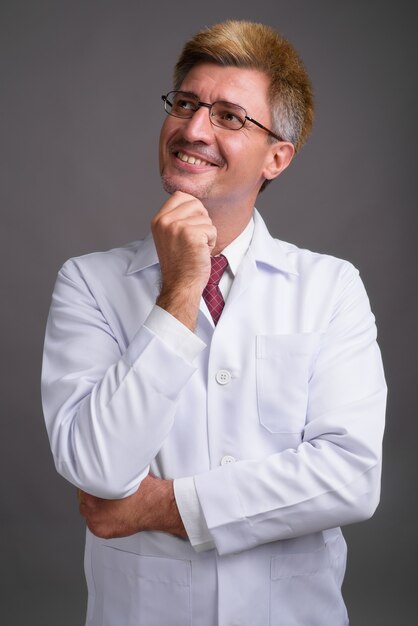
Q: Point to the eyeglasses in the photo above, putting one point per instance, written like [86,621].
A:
[226,115]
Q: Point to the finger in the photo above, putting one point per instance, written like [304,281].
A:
[185,221]
[170,232]
[183,202]
[180,212]
[88,501]
[212,237]
[194,233]
[179,197]
[88,509]
[175,221]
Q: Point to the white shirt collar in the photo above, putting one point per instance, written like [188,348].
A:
[235,251]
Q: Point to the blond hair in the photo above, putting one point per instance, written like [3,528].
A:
[256,46]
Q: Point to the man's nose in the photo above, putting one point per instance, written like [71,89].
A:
[199,127]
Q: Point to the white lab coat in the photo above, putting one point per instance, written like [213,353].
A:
[279,419]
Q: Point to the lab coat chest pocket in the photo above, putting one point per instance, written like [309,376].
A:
[284,365]
[145,591]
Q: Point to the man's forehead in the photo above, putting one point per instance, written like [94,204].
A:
[225,82]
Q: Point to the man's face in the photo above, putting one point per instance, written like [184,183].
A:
[231,164]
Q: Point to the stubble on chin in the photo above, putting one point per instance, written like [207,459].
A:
[198,191]
[168,184]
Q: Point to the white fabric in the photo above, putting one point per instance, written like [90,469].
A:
[279,420]
[184,343]
[184,489]
[191,514]
[234,254]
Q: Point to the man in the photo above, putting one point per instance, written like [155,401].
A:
[267,414]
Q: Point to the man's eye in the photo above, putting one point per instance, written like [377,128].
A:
[229,116]
[188,105]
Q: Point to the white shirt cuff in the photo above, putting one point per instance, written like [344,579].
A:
[178,337]
[192,515]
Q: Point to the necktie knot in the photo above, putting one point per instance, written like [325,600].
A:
[218,265]
[211,293]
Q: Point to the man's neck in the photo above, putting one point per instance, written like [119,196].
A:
[229,226]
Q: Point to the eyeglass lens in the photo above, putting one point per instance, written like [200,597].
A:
[223,114]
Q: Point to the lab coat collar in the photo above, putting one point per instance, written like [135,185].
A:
[146,256]
[269,251]
[263,248]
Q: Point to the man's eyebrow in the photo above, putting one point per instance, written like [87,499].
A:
[224,100]
[189,93]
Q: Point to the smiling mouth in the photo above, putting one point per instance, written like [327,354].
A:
[192,160]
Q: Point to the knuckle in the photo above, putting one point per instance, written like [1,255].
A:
[156,221]
[98,529]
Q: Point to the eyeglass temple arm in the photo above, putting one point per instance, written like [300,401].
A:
[270,132]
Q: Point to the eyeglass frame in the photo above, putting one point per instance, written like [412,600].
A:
[209,106]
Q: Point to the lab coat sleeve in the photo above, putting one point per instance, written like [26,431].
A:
[108,412]
[333,477]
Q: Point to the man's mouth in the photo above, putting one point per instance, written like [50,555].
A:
[186,158]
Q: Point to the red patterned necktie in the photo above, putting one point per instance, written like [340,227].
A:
[211,293]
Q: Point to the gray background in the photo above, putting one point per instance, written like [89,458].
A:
[79,119]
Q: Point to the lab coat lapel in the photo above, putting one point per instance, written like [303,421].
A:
[263,250]
[145,256]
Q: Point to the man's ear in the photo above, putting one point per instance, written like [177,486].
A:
[280,155]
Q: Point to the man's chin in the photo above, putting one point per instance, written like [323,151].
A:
[170,185]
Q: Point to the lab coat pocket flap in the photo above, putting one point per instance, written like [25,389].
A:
[157,569]
[304,564]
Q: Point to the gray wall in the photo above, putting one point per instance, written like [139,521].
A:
[80,114]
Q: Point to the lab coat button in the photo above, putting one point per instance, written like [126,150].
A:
[223,377]
[227,459]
